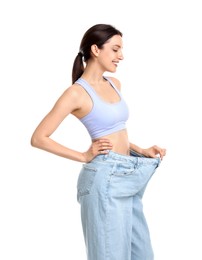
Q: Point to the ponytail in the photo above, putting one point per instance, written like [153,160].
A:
[78,67]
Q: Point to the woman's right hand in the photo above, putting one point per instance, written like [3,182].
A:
[100,146]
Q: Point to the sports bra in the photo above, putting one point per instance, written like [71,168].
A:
[104,118]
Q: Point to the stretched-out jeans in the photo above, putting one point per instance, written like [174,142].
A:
[110,190]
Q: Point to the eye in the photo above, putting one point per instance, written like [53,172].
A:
[115,50]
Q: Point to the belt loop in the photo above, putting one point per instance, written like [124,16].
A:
[138,161]
[105,156]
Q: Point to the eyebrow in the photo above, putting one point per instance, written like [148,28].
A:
[117,45]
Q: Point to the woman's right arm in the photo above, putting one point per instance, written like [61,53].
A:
[71,100]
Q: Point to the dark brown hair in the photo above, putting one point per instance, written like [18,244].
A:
[97,34]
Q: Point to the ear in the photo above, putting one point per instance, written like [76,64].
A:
[95,50]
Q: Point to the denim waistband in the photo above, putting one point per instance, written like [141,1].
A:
[116,157]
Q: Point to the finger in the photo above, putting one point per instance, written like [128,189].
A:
[103,152]
[162,153]
[104,145]
[102,141]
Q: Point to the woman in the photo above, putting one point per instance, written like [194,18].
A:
[115,172]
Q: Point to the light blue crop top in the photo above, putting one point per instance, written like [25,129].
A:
[105,118]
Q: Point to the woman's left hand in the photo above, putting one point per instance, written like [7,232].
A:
[154,151]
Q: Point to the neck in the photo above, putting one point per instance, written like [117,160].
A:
[93,73]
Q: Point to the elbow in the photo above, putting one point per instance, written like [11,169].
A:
[35,141]
[39,141]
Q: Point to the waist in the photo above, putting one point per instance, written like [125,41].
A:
[131,158]
[119,141]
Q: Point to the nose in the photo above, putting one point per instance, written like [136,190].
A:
[121,57]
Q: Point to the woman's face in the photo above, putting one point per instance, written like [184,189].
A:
[111,53]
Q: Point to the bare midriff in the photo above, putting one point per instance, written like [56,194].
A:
[119,141]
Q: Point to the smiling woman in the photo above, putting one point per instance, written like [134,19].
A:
[115,173]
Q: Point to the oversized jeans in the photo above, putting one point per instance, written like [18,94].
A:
[110,190]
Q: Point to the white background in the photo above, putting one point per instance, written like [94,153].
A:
[161,81]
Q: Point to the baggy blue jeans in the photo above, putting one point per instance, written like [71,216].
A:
[110,190]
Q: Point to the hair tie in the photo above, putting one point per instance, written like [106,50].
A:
[80,54]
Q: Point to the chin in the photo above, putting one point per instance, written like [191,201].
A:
[112,70]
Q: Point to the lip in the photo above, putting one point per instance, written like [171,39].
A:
[115,63]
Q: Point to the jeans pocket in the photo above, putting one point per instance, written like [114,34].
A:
[123,170]
[85,179]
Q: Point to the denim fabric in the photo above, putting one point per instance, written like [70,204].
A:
[110,190]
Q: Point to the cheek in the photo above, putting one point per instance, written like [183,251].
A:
[105,60]
[107,55]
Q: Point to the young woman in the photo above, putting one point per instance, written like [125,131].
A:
[115,172]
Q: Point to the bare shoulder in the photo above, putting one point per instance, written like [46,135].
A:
[72,98]
[116,82]
[74,92]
